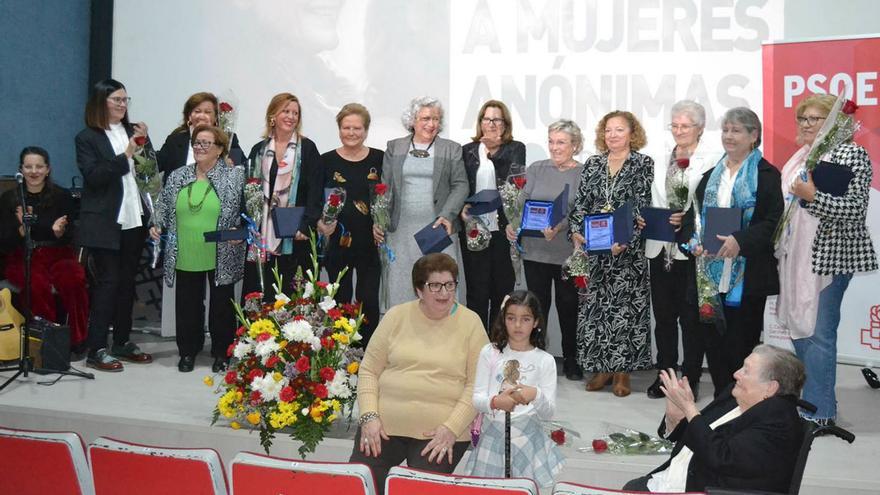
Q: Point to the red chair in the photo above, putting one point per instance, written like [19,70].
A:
[40,462]
[566,488]
[122,467]
[256,474]
[405,481]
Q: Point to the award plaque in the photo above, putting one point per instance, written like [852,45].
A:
[599,232]
[536,215]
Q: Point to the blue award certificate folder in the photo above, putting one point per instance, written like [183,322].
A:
[603,230]
[226,235]
[287,221]
[485,201]
[657,226]
[832,178]
[720,221]
[431,240]
[539,215]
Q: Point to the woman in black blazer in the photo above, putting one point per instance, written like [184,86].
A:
[489,273]
[288,166]
[113,221]
[200,109]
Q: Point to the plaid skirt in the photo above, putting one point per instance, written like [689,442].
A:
[532,453]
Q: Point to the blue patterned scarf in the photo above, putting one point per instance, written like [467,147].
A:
[743,196]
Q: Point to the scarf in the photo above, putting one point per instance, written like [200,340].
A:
[485,179]
[280,183]
[743,196]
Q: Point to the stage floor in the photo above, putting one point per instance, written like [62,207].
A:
[155,404]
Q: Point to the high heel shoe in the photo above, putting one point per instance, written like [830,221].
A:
[621,386]
[871,378]
[599,381]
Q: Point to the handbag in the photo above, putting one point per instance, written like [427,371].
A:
[477,423]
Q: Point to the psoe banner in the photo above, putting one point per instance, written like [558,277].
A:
[794,70]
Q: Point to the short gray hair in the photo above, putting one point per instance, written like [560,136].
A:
[570,128]
[782,366]
[691,110]
[408,119]
[744,117]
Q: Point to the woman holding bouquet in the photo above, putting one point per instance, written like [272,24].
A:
[543,257]
[428,186]
[112,222]
[828,233]
[289,169]
[674,183]
[199,109]
[743,272]
[356,169]
[204,197]
[487,159]
[613,331]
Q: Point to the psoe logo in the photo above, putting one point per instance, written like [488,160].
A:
[871,335]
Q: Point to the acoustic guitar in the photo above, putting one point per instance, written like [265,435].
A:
[10,328]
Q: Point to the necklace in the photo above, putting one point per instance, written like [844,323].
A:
[610,181]
[195,208]
[419,153]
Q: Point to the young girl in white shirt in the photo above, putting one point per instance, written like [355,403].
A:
[515,374]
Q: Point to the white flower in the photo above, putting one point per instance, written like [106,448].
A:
[310,289]
[268,386]
[266,348]
[280,296]
[305,411]
[316,344]
[297,331]
[242,349]
[332,288]
[356,337]
[338,387]
[327,303]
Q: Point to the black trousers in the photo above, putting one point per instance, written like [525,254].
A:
[368,272]
[287,265]
[671,308]
[112,290]
[398,449]
[540,277]
[726,350]
[489,276]
[189,301]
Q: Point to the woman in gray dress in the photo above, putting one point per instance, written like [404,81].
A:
[427,180]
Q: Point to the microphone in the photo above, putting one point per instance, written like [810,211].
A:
[19,177]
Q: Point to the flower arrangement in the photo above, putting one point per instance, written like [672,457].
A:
[380,210]
[333,206]
[294,364]
[227,116]
[146,175]
[478,235]
[512,201]
[677,184]
[253,205]
[577,269]
[708,298]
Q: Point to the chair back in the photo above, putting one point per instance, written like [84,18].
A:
[40,462]
[405,481]
[257,474]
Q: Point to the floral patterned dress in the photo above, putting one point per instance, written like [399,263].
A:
[613,330]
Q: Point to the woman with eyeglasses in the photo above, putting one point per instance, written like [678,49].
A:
[112,222]
[675,181]
[415,383]
[487,159]
[288,167]
[203,197]
[428,185]
[827,233]
[199,109]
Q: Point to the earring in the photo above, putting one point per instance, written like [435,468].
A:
[189,123]
[272,122]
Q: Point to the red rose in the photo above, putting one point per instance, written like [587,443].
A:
[581,282]
[334,313]
[558,436]
[707,311]
[254,180]
[302,364]
[225,107]
[849,107]
[256,397]
[320,391]
[599,446]
[253,295]
[272,361]
[254,374]
[230,377]
[683,163]
[327,373]
[473,233]
[140,140]
[334,200]
[380,189]
[287,394]
[519,181]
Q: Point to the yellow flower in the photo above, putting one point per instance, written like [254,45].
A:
[234,425]
[278,304]
[209,380]
[277,376]
[336,405]
[317,415]
[341,338]
[254,418]
[262,326]
[344,324]
[353,367]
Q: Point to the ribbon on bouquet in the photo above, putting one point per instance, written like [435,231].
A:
[255,239]
[157,247]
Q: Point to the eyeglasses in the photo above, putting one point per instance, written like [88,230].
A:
[811,121]
[203,144]
[489,121]
[436,286]
[120,100]
[680,127]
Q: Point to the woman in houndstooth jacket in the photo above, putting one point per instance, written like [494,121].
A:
[830,230]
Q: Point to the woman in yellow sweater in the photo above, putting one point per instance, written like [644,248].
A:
[416,380]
